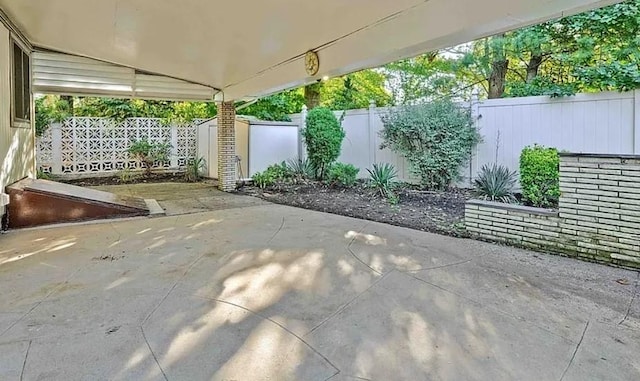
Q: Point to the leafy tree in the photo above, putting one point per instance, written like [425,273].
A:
[49,110]
[323,137]
[276,107]
[436,138]
[355,91]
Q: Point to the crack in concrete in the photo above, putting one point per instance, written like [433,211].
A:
[342,308]
[277,232]
[354,377]
[144,336]
[575,351]
[633,298]
[354,254]
[276,323]
[117,232]
[439,267]
[60,286]
[497,310]
[191,266]
[24,363]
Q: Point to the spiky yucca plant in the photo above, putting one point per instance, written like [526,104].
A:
[496,183]
[382,177]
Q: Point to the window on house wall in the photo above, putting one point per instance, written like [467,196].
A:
[21,87]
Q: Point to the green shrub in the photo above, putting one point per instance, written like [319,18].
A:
[126,176]
[496,183]
[43,175]
[271,175]
[323,137]
[263,179]
[149,152]
[539,176]
[436,139]
[382,177]
[342,174]
[279,171]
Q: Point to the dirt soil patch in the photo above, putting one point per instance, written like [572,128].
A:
[165,177]
[438,212]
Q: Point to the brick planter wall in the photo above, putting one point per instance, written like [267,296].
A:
[598,217]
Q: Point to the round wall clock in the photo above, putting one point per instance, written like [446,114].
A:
[311,62]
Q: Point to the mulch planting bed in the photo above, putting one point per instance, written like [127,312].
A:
[438,212]
[172,177]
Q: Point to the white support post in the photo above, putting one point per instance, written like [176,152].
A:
[174,146]
[301,126]
[636,123]
[56,149]
[372,133]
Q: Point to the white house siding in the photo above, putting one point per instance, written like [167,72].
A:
[17,153]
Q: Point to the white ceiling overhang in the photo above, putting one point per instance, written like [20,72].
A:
[249,49]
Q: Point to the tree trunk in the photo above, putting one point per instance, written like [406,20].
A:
[312,95]
[533,66]
[498,78]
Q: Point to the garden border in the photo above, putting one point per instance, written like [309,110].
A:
[598,218]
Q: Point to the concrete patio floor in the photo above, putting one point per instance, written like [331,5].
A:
[183,198]
[267,292]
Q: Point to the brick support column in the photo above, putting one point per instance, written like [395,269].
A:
[226,146]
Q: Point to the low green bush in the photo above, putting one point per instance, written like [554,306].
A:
[149,152]
[342,174]
[263,179]
[271,175]
[540,176]
[496,183]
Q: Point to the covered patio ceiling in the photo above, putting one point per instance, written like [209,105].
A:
[250,49]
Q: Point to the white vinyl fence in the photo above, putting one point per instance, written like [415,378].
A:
[606,123]
[81,147]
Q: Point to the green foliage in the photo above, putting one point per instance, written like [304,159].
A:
[355,91]
[43,175]
[149,152]
[496,183]
[126,176]
[382,177]
[436,138]
[276,107]
[49,110]
[263,179]
[594,51]
[539,176]
[195,169]
[342,174]
[301,169]
[323,137]
[271,175]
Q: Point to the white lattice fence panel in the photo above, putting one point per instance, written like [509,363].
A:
[44,152]
[100,146]
[187,144]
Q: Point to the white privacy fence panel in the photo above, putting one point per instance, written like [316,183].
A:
[271,142]
[604,123]
[99,146]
